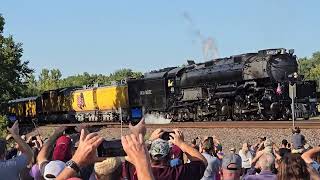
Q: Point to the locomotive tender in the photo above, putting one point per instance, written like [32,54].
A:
[248,86]
[242,87]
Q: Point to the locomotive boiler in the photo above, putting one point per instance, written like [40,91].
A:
[241,87]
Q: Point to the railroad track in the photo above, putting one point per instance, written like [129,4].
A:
[306,124]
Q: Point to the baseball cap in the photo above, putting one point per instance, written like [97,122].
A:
[62,150]
[231,162]
[107,166]
[53,169]
[159,149]
[176,151]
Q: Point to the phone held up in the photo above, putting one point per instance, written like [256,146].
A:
[112,148]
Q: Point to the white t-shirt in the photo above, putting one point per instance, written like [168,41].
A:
[246,159]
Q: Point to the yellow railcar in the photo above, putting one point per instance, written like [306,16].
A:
[55,105]
[108,103]
[22,109]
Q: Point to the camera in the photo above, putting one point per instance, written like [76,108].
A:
[111,148]
[166,135]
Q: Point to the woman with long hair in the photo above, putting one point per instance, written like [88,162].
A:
[293,167]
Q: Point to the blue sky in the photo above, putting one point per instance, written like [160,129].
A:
[102,36]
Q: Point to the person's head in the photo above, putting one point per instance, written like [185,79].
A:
[296,130]
[63,149]
[231,166]
[159,151]
[245,147]
[3,148]
[106,169]
[266,161]
[261,139]
[267,146]
[208,146]
[284,143]
[53,169]
[194,143]
[292,167]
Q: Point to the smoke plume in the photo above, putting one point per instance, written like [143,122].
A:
[209,48]
[152,119]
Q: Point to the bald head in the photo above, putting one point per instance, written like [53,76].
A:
[266,161]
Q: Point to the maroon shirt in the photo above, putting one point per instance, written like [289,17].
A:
[193,171]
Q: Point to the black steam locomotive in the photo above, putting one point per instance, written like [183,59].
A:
[248,86]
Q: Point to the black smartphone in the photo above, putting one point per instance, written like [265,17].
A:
[70,130]
[166,135]
[136,115]
[112,148]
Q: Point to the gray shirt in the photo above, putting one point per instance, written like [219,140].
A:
[213,167]
[297,141]
[10,169]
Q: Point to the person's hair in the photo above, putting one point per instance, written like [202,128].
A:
[208,145]
[292,167]
[116,174]
[296,130]
[284,142]
[266,161]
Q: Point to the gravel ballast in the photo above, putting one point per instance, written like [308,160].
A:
[229,137]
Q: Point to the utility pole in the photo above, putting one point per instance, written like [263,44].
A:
[292,94]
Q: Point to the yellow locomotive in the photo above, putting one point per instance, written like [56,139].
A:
[107,103]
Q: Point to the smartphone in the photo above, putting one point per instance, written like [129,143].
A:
[166,135]
[136,115]
[112,148]
[70,130]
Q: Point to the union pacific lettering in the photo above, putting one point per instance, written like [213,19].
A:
[145,92]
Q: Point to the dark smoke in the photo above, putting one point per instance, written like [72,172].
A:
[209,48]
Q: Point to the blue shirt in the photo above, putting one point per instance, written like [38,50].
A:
[212,168]
[10,169]
[315,165]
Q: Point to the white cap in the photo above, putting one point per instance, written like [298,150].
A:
[53,168]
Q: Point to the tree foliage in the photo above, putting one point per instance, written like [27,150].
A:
[310,67]
[52,79]
[13,71]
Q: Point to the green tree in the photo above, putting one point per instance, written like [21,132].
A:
[309,67]
[49,79]
[13,71]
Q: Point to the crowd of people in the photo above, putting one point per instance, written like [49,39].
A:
[163,155]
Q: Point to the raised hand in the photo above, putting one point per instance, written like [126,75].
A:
[177,137]
[87,150]
[156,134]
[140,128]
[138,155]
[14,129]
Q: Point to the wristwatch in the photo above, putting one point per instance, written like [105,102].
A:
[73,165]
